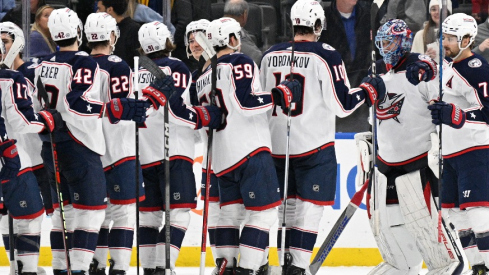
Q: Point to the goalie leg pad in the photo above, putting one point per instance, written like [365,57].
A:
[227,231]
[396,244]
[290,222]
[179,221]
[122,234]
[149,222]
[421,218]
[303,234]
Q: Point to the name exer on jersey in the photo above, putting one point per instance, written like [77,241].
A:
[49,72]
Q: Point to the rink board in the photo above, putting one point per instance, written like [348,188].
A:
[355,247]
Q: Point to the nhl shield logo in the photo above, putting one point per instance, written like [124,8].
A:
[117,188]
[252,195]
[176,196]
[23,204]
[315,188]
[76,196]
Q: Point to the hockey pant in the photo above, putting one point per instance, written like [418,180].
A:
[83,227]
[252,243]
[302,220]
[27,235]
[408,232]
[120,237]
[472,225]
[152,242]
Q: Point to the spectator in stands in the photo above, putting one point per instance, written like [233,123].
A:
[127,45]
[479,10]
[482,40]
[238,9]
[426,40]
[410,11]
[181,16]
[5,6]
[143,14]
[41,43]
[15,15]
[348,31]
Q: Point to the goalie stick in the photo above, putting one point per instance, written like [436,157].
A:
[208,53]
[337,229]
[154,69]
[44,95]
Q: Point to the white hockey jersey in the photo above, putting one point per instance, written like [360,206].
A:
[181,136]
[72,81]
[465,85]
[403,119]
[116,82]
[326,94]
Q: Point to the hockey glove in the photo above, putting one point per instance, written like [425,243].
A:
[208,116]
[374,88]
[11,160]
[194,98]
[159,91]
[126,109]
[447,113]
[52,121]
[286,93]
[422,70]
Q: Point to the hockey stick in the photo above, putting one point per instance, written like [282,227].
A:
[158,73]
[209,53]
[136,95]
[13,265]
[44,95]
[337,229]
[373,19]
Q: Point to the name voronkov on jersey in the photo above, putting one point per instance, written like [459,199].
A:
[284,61]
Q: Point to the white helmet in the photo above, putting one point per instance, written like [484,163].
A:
[306,13]
[99,26]
[219,31]
[64,24]
[195,26]
[153,35]
[18,42]
[460,24]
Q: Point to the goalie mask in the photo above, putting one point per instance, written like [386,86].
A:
[393,40]
[220,30]
[307,13]
[99,27]
[64,24]
[193,27]
[153,36]
[460,25]
[18,42]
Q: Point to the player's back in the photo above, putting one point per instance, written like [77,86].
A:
[181,136]
[239,95]
[116,82]
[72,81]
[320,70]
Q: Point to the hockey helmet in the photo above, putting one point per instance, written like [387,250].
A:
[219,31]
[64,24]
[195,26]
[393,40]
[99,26]
[18,39]
[153,36]
[306,13]
[460,25]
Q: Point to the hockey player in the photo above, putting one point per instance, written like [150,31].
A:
[72,79]
[157,43]
[325,93]
[119,160]
[405,184]
[463,113]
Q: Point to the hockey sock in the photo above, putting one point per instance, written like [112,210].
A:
[480,227]
[227,231]
[147,246]
[467,239]
[102,249]
[87,224]
[179,219]
[290,221]
[121,235]
[212,222]
[28,242]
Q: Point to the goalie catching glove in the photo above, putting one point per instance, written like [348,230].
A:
[422,70]
[447,113]
[11,160]
[286,93]
[159,91]
[374,88]
[126,109]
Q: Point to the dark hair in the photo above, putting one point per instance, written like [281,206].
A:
[66,42]
[93,45]
[218,49]
[119,6]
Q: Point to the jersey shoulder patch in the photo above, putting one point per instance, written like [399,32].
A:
[475,63]
[114,58]
[328,47]
[82,53]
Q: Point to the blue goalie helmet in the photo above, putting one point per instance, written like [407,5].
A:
[393,40]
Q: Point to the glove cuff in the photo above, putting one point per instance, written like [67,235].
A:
[203,117]
[370,91]
[48,120]
[458,116]
[432,64]
[114,110]
[157,97]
